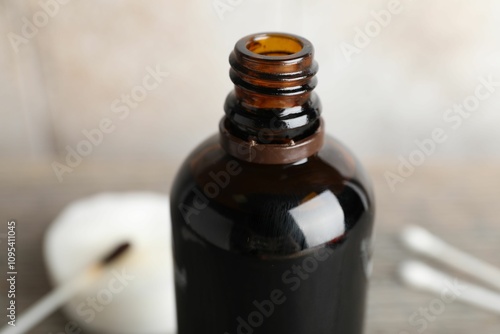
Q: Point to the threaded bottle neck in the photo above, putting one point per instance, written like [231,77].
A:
[272,102]
[273,70]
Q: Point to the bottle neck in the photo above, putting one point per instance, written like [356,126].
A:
[272,116]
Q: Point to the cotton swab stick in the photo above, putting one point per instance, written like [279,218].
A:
[60,295]
[423,242]
[424,277]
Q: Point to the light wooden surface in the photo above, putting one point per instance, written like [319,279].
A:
[457,202]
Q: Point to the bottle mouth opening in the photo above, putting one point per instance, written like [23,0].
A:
[274,45]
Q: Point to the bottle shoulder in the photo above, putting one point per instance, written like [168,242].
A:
[333,165]
[272,208]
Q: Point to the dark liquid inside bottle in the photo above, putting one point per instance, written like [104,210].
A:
[271,247]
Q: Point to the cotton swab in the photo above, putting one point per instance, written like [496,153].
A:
[60,295]
[423,242]
[449,289]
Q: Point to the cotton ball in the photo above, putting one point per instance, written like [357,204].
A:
[137,295]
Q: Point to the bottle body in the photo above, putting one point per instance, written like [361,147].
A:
[279,248]
[271,219]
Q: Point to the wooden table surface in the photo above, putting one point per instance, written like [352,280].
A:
[458,201]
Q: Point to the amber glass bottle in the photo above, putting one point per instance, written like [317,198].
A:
[271,219]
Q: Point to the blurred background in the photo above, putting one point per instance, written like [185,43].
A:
[391,74]
[63,79]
